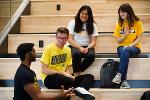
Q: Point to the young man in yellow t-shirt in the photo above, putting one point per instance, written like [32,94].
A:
[56,61]
[25,80]
[128,32]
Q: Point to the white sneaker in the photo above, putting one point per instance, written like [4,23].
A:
[83,93]
[117,78]
[125,85]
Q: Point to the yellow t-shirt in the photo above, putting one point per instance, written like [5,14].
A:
[56,58]
[135,31]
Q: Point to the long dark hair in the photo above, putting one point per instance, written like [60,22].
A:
[89,23]
[131,17]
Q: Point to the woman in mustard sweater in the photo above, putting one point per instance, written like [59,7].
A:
[128,32]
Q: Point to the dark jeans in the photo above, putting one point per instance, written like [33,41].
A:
[125,54]
[56,80]
[79,65]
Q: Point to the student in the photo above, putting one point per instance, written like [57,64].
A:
[56,61]
[25,81]
[82,39]
[128,32]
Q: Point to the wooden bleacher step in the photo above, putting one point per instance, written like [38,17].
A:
[137,70]
[3,21]
[105,42]
[63,7]
[5,7]
[49,23]
[100,94]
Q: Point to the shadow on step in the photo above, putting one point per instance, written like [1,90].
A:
[96,84]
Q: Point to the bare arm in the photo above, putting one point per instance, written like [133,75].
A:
[69,69]
[73,43]
[47,71]
[136,41]
[91,45]
[36,93]
[93,42]
[123,37]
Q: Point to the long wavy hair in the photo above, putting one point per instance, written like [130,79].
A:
[131,17]
[89,22]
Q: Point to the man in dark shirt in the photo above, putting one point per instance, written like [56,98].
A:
[26,86]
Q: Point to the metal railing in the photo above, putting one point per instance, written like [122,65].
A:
[10,11]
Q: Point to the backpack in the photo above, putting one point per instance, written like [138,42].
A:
[146,96]
[107,72]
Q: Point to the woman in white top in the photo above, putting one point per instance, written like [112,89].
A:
[82,39]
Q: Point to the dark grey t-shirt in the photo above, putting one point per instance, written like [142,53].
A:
[23,76]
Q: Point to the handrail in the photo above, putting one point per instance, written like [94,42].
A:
[13,20]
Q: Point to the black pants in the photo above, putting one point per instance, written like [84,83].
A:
[76,59]
[56,80]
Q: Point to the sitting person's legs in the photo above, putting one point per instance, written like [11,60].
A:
[76,60]
[84,81]
[56,80]
[124,54]
[88,59]
[82,84]
[124,59]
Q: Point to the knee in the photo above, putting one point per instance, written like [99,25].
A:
[125,50]
[91,56]
[90,76]
[76,53]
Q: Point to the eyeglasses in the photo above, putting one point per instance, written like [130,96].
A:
[62,38]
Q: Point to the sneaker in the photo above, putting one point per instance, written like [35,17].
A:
[117,78]
[84,94]
[125,85]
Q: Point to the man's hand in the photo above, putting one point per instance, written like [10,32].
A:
[65,93]
[67,75]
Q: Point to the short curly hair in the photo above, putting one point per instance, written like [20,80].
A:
[23,49]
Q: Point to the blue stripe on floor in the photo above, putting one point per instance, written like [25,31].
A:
[133,83]
[96,84]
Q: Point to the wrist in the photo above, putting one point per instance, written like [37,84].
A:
[89,47]
[60,97]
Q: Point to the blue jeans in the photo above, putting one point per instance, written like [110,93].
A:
[124,55]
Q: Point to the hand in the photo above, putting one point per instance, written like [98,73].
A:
[126,30]
[65,93]
[81,49]
[85,50]
[68,75]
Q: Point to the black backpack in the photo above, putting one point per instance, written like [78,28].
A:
[146,96]
[107,73]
